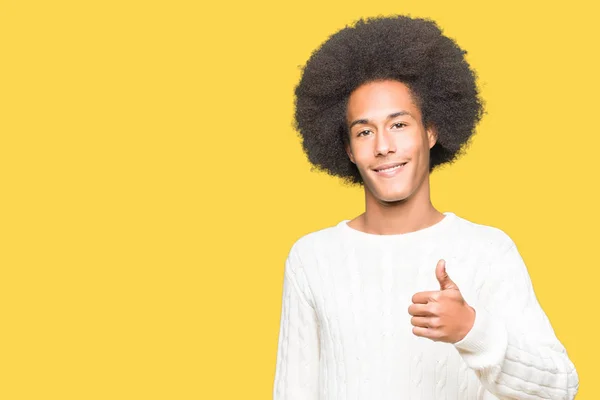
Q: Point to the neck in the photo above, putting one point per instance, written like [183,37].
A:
[411,214]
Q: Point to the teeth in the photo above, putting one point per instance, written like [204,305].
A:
[390,169]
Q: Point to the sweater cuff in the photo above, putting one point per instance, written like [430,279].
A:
[486,343]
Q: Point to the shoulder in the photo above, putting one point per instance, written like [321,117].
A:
[303,257]
[317,242]
[485,237]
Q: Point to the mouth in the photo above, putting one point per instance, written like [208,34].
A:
[390,171]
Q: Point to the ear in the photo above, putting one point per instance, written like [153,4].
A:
[349,152]
[431,136]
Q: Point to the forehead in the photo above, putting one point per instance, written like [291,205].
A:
[380,98]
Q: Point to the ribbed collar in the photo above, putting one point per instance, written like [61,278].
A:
[418,234]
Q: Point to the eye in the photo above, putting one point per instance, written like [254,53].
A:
[361,132]
[399,124]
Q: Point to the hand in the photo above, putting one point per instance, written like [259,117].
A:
[441,315]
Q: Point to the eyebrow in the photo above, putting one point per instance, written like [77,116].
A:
[393,115]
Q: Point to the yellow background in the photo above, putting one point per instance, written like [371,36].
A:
[152,184]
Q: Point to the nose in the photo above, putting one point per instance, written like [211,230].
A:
[384,143]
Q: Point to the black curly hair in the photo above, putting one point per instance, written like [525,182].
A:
[410,50]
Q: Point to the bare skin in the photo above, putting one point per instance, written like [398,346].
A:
[385,126]
[402,203]
[441,315]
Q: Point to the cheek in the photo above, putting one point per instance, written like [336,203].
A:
[410,145]
[362,155]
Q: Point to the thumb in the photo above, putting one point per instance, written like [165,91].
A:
[442,276]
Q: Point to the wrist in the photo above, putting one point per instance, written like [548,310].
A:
[486,342]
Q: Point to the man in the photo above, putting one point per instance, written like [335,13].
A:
[403,301]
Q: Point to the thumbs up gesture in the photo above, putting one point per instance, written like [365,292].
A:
[442,315]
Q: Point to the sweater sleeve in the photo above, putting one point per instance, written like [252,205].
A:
[297,369]
[512,347]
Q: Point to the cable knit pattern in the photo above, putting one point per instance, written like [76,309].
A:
[345,331]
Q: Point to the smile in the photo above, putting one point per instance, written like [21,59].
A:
[388,172]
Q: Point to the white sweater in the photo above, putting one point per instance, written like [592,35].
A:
[345,330]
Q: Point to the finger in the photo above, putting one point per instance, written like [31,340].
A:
[420,310]
[425,297]
[432,334]
[423,322]
[425,332]
[442,276]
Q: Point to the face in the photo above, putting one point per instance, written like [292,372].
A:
[385,127]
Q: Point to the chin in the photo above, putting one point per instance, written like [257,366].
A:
[390,196]
[393,198]
[390,190]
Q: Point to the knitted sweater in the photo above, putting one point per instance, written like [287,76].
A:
[345,330]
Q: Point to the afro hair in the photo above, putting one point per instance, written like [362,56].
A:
[410,50]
